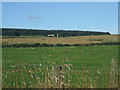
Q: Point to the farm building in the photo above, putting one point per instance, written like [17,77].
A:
[52,35]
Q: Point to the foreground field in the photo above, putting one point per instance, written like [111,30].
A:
[63,40]
[83,67]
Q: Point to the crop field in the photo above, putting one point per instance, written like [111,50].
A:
[62,40]
[61,67]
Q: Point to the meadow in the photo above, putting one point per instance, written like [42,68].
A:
[60,67]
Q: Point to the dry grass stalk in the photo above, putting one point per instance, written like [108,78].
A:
[90,83]
[58,76]
[113,73]
[48,77]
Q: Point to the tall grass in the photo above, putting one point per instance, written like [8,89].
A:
[59,76]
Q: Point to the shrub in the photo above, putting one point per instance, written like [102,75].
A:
[59,45]
[76,44]
[67,45]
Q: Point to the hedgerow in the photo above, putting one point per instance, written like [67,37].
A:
[55,45]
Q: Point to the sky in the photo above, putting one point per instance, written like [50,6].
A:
[85,16]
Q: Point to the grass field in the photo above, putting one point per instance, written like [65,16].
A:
[63,40]
[83,67]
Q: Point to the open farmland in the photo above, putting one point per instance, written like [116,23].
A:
[63,40]
[60,45]
[83,67]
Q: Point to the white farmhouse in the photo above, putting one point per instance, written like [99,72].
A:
[50,35]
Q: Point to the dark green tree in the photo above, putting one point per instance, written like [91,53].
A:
[16,33]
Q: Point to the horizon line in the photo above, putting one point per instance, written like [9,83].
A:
[60,29]
[51,29]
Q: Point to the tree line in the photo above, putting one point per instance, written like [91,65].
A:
[61,33]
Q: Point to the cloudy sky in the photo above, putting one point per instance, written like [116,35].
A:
[94,16]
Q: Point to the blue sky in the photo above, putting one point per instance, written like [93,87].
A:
[93,16]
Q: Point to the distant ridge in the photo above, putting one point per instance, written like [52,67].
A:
[36,32]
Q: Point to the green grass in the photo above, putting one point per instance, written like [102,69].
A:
[85,62]
[90,56]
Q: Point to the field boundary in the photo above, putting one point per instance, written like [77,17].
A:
[54,45]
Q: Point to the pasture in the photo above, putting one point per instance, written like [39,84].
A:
[82,67]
